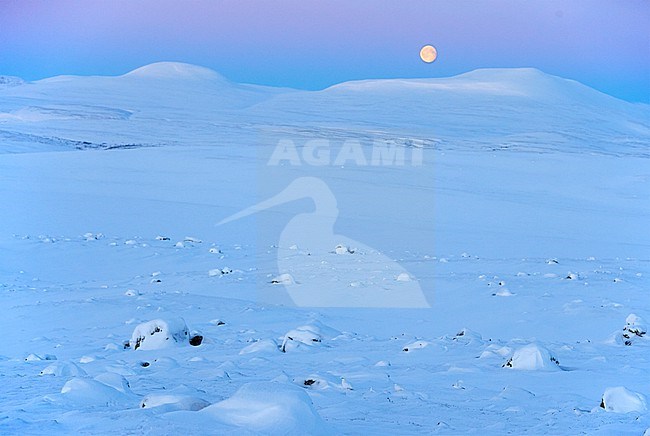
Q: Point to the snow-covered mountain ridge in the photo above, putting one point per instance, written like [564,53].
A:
[175,103]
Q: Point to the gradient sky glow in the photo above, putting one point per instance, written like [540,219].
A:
[313,44]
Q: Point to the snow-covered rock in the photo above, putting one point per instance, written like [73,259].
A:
[634,329]
[532,357]
[161,363]
[35,357]
[620,400]
[196,338]
[417,345]
[159,333]
[173,402]
[88,392]
[283,279]
[305,335]
[572,276]
[219,272]
[342,249]
[312,382]
[467,336]
[63,369]
[403,277]
[270,408]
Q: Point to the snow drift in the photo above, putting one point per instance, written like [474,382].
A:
[270,408]
[532,357]
[621,400]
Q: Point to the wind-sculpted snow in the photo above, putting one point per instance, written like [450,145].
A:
[403,364]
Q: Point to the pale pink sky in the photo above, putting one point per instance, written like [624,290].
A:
[313,44]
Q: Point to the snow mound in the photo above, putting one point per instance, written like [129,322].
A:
[270,408]
[283,279]
[324,330]
[114,380]
[63,369]
[36,358]
[171,402]
[403,277]
[220,272]
[514,395]
[532,357]
[159,333]
[467,336]
[621,400]
[94,393]
[305,335]
[262,346]
[495,350]
[417,345]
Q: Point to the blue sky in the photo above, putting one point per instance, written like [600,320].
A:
[313,44]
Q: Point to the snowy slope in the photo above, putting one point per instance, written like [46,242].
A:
[521,109]
[524,227]
[158,104]
[517,108]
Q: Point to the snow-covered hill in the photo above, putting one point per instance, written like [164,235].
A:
[516,224]
[493,108]
[160,104]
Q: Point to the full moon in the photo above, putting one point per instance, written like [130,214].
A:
[428,54]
